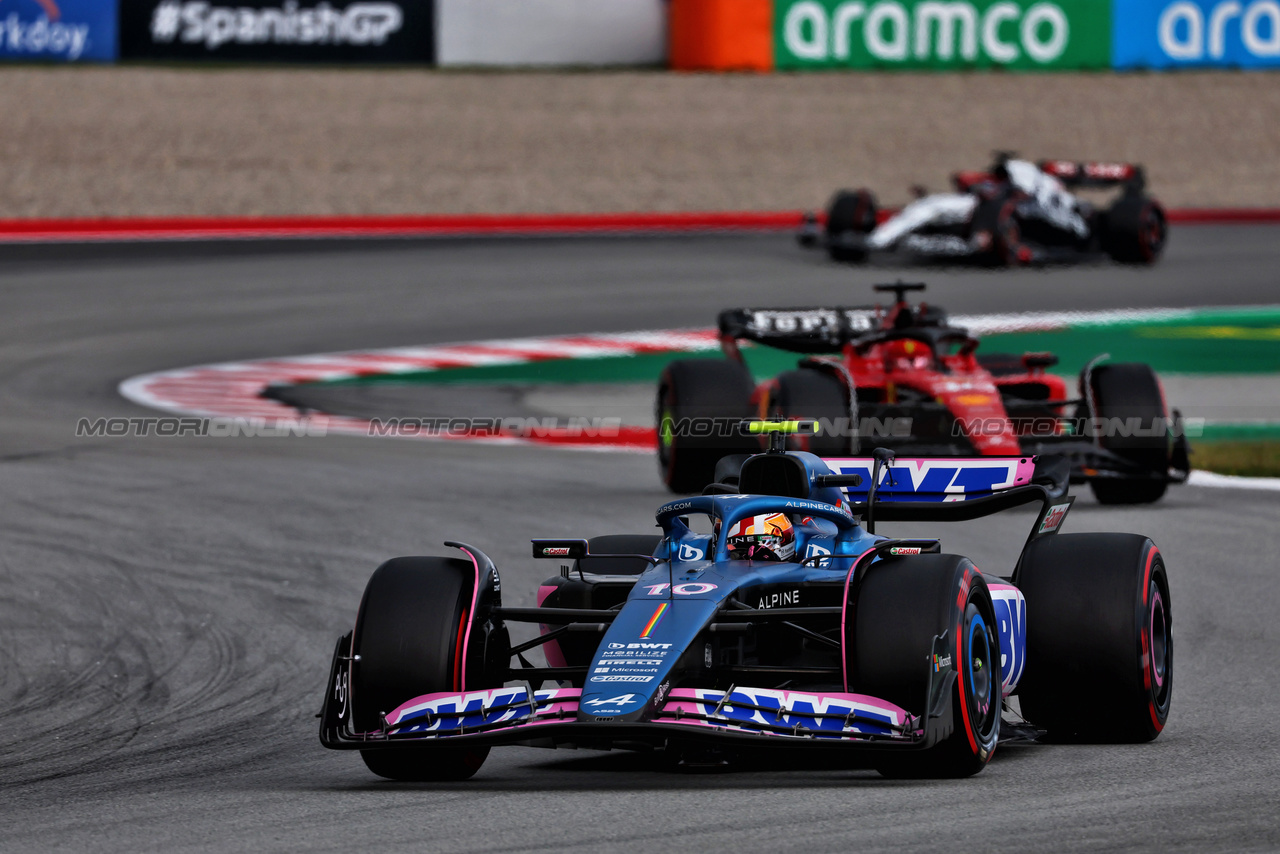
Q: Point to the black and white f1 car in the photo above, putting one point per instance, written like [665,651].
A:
[793,624]
[1015,213]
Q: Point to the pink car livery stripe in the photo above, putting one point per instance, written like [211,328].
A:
[755,710]
[437,713]
[778,712]
[1011,621]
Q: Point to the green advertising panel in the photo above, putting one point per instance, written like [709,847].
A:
[942,34]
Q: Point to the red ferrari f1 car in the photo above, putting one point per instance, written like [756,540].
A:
[904,378]
[1014,213]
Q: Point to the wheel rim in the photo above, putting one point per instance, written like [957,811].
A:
[1151,233]
[666,436]
[1161,641]
[981,689]
[1014,251]
[978,662]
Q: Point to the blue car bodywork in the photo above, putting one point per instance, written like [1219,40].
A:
[664,669]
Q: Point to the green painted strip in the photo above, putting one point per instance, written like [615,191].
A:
[1216,341]
[1241,431]
[1226,342]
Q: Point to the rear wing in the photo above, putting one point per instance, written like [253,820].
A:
[937,479]
[1095,174]
[800,330]
[951,489]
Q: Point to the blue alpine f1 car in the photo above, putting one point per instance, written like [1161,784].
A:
[790,624]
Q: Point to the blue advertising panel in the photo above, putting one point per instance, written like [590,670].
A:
[1196,33]
[58,30]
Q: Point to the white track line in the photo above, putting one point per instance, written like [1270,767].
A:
[1231,481]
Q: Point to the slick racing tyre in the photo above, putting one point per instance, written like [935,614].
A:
[813,394]
[1099,637]
[903,603]
[851,216]
[408,640]
[1128,394]
[1135,231]
[699,402]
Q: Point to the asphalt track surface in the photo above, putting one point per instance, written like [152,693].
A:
[169,605]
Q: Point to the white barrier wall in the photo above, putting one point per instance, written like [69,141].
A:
[551,32]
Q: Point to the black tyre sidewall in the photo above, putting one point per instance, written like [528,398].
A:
[1090,672]
[407,640]
[851,210]
[1125,390]
[902,604]
[701,388]
[809,393]
[1136,230]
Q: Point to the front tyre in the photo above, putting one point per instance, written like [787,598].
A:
[1099,637]
[850,217]
[1136,230]
[902,605]
[409,640]
[698,406]
[1129,394]
[812,394]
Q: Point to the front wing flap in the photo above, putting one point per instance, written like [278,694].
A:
[519,714]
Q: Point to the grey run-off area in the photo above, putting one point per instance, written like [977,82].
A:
[168,606]
[138,141]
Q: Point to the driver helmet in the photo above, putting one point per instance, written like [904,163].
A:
[769,536]
[907,354]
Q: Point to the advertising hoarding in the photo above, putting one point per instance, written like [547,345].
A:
[1197,33]
[369,31]
[942,34]
[58,30]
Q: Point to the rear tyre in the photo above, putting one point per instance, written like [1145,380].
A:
[700,389]
[997,219]
[809,393]
[902,605]
[407,637]
[850,216]
[1136,230]
[1125,391]
[1099,637]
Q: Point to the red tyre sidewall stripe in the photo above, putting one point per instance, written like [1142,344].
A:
[961,602]
[1146,638]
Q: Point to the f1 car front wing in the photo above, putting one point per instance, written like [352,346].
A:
[521,714]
